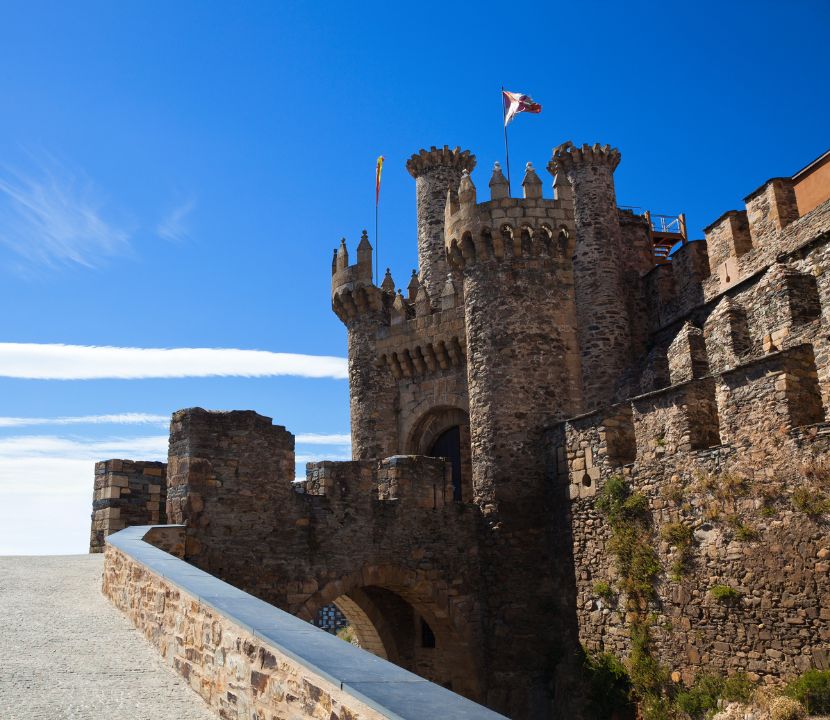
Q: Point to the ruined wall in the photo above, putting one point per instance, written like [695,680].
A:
[126,493]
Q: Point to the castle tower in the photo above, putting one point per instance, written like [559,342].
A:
[604,333]
[435,171]
[364,308]
[522,370]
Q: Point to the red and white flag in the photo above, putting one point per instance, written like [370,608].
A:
[515,103]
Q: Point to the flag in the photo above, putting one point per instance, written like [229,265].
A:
[515,103]
[377,179]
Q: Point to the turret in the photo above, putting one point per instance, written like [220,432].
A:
[436,171]
[512,257]
[604,333]
[365,309]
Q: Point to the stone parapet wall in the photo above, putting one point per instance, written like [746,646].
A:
[248,659]
[743,502]
[127,492]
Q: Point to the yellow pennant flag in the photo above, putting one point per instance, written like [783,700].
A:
[377,179]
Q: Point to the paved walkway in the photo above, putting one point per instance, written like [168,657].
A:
[67,653]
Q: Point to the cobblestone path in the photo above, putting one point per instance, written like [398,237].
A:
[67,653]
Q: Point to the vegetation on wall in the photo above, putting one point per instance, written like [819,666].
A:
[812,690]
[629,520]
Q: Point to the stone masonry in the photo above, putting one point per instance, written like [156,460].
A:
[126,493]
[543,348]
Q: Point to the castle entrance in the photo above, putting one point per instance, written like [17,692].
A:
[445,432]
[448,445]
[382,622]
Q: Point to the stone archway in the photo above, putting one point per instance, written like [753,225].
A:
[413,622]
[430,433]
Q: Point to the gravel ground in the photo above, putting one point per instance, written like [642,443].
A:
[67,653]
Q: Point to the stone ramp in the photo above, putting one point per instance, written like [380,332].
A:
[68,653]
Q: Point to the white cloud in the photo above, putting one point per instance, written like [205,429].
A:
[85,362]
[303,458]
[53,216]
[120,419]
[173,226]
[318,439]
[35,448]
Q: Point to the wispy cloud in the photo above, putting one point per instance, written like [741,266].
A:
[85,362]
[120,419]
[36,447]
[53,216]
[174,226]
[320,439]
[53,465]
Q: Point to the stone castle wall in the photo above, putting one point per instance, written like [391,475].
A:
[127,492]
[702,379]
[386,534]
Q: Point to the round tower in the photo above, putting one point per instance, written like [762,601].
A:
[513,256]
[603,322]
[435,171]
[364,309]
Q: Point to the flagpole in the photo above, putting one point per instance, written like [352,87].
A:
[377,242]
[506,147]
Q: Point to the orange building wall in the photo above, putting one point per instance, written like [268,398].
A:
[812,185]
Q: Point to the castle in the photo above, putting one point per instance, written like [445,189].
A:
[545,348]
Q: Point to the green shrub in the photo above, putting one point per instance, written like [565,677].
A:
[702,697]
[677,534]
[724,593]
[682,537]
[812,690]
[609,687]
[738,688]
[647,675]
[810,502]
[348,634]
[743,531]
[603,590]
[630,521]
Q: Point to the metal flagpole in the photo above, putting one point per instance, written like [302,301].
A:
[506,147]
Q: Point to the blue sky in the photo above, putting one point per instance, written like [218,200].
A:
[176,174]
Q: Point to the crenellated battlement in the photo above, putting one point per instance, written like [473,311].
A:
[567,157]
[425,161]
[504,227]
[353,293]
[417,481]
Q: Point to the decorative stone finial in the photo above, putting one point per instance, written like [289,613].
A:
[342,255]
[448,294]
[388,283]
[334,262]
[422,303]
[364,250]
[498,184]
[466,189]
[531,184]
[412,288]
[398,314]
